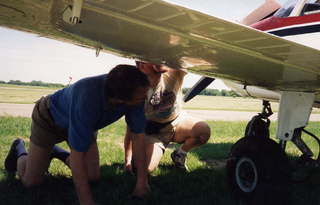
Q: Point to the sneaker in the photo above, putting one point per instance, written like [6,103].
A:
[10,163]
[179,160]
[59,153]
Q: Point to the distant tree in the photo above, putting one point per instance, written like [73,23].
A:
[38,83]
[214,92]
[233,94]
[2,82]
[15,82]
[185,90]
[35,83]
[224,93]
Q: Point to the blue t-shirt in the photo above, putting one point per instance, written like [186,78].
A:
[82,109]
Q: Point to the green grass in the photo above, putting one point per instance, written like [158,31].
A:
[201,102]
[30,94]
[204,184]
[22,94]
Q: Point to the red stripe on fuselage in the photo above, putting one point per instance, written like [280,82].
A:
[276,22]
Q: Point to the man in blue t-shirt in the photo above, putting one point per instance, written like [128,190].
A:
[75,114]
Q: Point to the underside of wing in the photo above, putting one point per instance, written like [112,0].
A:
[179,37]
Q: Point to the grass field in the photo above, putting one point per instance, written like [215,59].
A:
[22,94]
[204,184]
[227,103]
[30,94]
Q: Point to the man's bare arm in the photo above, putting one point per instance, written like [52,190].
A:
[128,150]
[139,154]
[80,177]
[181,72]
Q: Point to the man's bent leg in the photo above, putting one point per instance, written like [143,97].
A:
[16,151]
[154,153]
[32,167]
[192,133]
[91,159]
[61,154]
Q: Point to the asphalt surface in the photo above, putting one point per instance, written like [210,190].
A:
[25,110]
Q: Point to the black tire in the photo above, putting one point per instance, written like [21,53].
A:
[258,171]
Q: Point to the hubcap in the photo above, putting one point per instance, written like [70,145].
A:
[246,175]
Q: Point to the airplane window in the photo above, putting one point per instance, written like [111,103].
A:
[313,1]
[286,9]
[311,8]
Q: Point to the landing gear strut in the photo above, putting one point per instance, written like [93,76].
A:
[257,163]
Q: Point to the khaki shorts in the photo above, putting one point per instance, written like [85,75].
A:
[165,134]
[44,132]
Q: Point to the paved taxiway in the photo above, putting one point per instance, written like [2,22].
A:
[25,110]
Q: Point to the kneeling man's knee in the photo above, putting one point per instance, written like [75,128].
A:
[32,182]
[203,131]
[94,177]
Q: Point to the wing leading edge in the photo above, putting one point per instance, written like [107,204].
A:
[182,38]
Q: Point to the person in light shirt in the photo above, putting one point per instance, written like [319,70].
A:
[166,122]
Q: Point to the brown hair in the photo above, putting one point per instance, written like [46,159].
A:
[123,80]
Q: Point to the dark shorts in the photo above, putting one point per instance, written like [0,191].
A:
[44,132]
[161,134]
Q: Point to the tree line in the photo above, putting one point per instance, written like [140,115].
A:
[33,83]
[214,92]
[208,91]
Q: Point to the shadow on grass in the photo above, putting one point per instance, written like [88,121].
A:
[55,190]
[200,186]
[213,151]
[170,187]
[209,150]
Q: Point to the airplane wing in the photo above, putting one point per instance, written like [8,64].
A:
[179,37]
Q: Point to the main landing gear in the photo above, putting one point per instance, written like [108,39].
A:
[258,168]
[257,165]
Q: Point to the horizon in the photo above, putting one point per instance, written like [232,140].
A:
[29,82]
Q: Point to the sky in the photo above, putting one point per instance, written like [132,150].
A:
[28,57]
